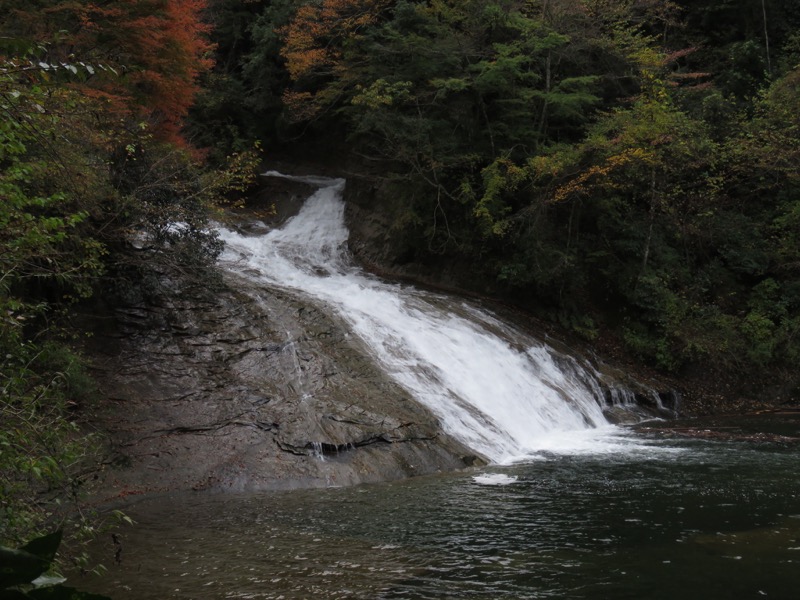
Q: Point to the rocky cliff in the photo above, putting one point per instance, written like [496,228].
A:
[247,388]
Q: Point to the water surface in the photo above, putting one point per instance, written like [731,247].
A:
[668,519]
[580,509]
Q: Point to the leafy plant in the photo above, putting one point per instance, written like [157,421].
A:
[24,573]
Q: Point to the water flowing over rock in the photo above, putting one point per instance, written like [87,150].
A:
[304,371]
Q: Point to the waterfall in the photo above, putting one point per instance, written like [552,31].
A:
[496,389]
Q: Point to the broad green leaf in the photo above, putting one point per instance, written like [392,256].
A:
[18,567]
[44,547]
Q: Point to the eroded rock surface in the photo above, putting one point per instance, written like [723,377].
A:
[250,388]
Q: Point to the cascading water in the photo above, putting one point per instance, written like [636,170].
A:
[497,390]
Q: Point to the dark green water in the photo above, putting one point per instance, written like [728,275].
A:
[645,518]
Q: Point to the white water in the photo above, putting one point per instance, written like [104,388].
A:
[499,391]
[494,479]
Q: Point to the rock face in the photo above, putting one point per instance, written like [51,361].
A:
[248,389]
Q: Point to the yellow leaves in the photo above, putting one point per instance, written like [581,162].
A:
[303,49]
[314,46]
[299,62]
[548,165]
[313,38]
[300,105]
[601,175]
[631,154]
[578,185]
[382,93]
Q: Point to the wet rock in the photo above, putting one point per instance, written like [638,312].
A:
[625,415]
[251,389]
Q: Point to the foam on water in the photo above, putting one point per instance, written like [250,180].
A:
[502,393]
[494,479]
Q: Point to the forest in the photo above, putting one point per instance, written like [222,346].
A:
[626,168]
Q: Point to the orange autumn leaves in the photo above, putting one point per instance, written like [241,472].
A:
[314,43]
[154,50]
[163,47]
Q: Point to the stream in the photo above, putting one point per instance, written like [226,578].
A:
[494,388]
[570,506]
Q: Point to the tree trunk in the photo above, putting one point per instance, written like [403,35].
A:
[766,36]
[652,219]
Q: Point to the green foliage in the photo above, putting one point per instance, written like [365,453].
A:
[47,261]
[500,179]
[633,161]
[45,454]
[624,160]
[240,102]
[41,219]
[83,180]
[167,198]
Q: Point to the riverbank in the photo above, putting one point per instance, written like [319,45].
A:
[245,385]
[705,388]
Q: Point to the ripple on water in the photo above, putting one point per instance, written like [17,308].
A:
[572,526]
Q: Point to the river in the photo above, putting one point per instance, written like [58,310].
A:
[666,518]
[570,506]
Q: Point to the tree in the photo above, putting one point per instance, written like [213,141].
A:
[89,96]
[763,177]
[47,259]
[146,56]
[241,98]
